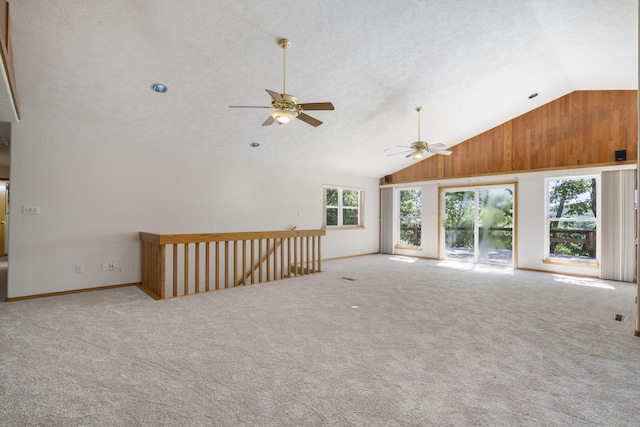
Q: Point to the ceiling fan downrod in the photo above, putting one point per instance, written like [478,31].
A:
[284,44]
[418,109]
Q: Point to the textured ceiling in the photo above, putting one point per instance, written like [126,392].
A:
[471,65]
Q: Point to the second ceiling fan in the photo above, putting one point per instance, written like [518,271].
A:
[285,107]
[420,148]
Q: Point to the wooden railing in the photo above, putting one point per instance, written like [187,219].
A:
[197,263]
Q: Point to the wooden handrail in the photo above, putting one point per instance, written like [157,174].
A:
[283,253]
[170,239]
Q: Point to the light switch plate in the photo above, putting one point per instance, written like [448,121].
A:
[31,210]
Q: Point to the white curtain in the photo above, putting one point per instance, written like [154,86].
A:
[386,221]
[618,220]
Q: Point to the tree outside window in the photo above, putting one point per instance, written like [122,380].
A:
[411,217]
[572,218]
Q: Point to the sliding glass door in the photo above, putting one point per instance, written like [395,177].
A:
[478,224]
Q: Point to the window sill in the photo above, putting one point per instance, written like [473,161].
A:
[409,248]
[577,263]
[344,228]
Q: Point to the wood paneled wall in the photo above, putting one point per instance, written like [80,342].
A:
[581,129]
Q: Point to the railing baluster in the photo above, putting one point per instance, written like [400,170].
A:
[235,262]
[207,266]
[269,259]
[289,272]
[186,269]
[175,270]
[253,260]
[260,260]
[306,238]
[217,266]
[313,248]
[226,264]
[244,262]
[197,267]
[282,258]
[161,270]
[319,255]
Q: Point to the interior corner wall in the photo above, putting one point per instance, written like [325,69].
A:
[95,194]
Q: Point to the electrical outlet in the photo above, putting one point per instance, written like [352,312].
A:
[105,266]
[112,266]
[79,268]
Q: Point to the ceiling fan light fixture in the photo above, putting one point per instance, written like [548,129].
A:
[284,116]
[418,155]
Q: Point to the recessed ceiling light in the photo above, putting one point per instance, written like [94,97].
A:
[533,95]
[355,306]
[158,87]
[255,144]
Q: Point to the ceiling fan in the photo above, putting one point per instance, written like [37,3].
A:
[420,148]
[285,107]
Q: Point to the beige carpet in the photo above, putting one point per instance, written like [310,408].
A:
[372,341]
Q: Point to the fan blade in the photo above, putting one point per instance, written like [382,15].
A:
[308,119]
[275,95]
[317,106]
[400,152]
[404,146]
[270,120]
[445,152]
[437,146]
[246,106]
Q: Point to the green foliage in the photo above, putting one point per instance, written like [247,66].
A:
[411,217]
[572,205]
[349,198]
[332,197]
[459,209]
[495,216]
[332,216]
[350,217]
[572,198]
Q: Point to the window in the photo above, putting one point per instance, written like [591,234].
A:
[342,207]
[410,217]
[572,219]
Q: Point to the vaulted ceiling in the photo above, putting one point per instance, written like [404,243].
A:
[471,65]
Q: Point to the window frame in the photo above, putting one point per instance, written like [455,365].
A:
[398,222]
[340,207]
[549,258]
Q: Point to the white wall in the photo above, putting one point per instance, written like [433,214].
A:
[95,194]
[530,243]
